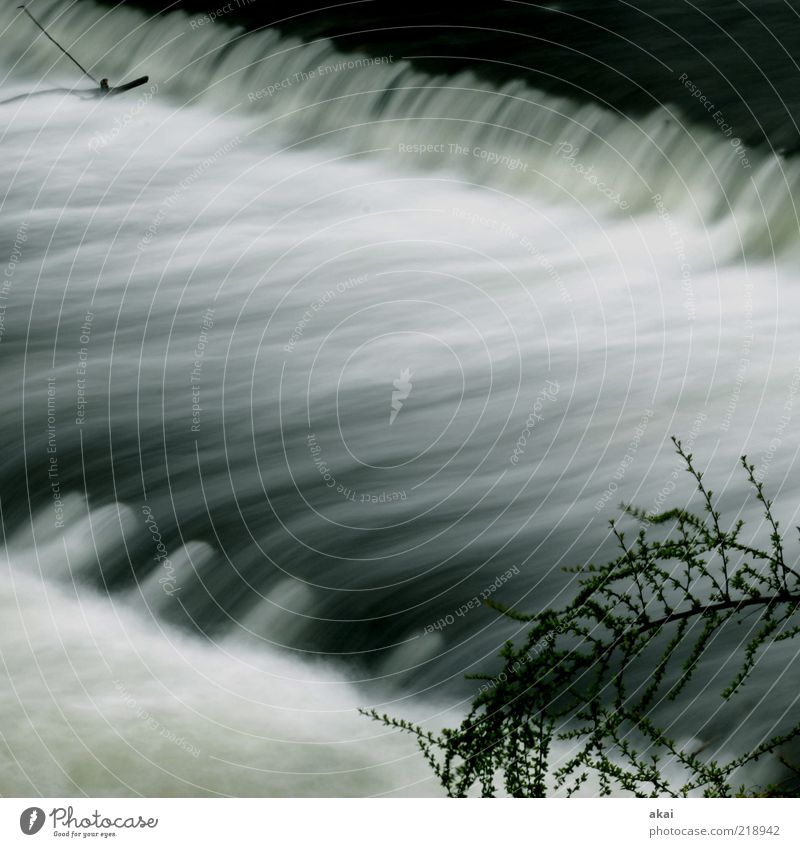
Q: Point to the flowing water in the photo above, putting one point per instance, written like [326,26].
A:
[305,354]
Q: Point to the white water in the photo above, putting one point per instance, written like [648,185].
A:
[101,701]
[483,281]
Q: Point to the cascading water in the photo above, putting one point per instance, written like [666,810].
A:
[305,354]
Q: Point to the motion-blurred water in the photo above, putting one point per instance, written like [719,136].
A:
[306,354]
